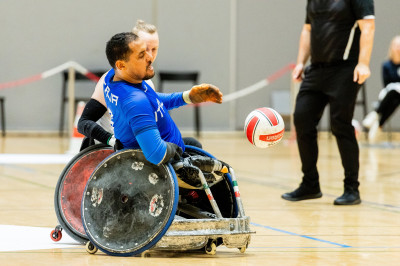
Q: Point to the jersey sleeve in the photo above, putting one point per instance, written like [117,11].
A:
[364,9]
[153,147]
[172,100]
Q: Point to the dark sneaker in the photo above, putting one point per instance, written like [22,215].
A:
[302,193]
[349,197]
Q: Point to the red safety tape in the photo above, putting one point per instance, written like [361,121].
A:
[92,76]
[20,82]
[52,71]
[280,72]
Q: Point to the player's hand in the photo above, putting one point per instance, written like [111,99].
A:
[173,153]
[361,73]
[298,72]
[205,93]
[118,145]
[113,142]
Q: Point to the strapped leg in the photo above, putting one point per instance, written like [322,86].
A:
[192,175]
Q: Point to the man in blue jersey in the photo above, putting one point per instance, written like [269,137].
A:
[95,122]
[140,115]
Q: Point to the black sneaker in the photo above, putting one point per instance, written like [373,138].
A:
[349,197]
[302,193]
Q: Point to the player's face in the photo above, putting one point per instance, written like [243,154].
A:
[139,65]
[152,41]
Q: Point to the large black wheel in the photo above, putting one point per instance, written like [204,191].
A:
[129,203]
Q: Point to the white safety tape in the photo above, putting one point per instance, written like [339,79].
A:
[56,70]
[246,91]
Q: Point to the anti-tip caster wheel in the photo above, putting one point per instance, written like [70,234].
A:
[211,248]
[243,249]
[90,248]
[145,254]
[56,234]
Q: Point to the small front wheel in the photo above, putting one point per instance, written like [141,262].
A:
[145,254]
[211,248]
[242,249]
[56,235]
[90,248]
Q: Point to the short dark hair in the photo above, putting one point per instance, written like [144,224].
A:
[118,47]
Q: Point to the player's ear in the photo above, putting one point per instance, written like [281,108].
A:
[120,65]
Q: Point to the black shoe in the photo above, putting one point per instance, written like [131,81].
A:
[302,193]
[349,197]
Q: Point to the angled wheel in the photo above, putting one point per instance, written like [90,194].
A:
[128,203]
[70,186]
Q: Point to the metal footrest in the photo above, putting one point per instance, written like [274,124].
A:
[189,234]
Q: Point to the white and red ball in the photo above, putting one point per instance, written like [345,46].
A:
[264,127]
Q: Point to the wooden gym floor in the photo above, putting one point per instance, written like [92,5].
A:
[287,233]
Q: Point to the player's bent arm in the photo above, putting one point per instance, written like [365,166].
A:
[156,150]
[143,125]
[87,125]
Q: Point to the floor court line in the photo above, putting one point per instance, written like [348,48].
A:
[304,236]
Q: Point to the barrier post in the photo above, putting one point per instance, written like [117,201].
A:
[71,100]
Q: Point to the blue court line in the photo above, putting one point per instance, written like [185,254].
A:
[381,204]
[294,234]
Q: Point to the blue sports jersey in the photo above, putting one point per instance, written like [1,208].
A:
[137,108]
